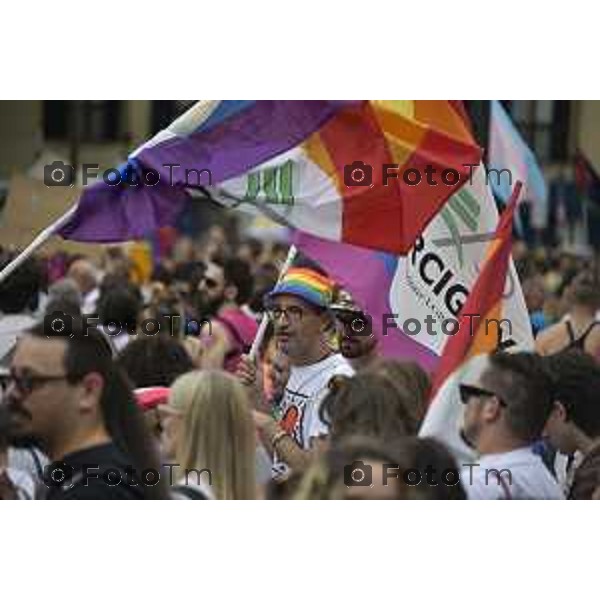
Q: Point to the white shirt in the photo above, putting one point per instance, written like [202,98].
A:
[524,477]
[11,327]
[89,302]
[304,392]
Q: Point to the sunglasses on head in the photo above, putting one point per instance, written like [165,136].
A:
[467,392]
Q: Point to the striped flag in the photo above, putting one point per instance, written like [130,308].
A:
[342,170]
[509,151]
[414,300]
[483,324]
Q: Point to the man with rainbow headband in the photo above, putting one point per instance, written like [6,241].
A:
[298,306]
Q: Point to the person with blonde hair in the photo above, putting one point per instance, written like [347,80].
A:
[209,433]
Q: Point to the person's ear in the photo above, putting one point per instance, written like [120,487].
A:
[491,409]
[559,411]
[93,385]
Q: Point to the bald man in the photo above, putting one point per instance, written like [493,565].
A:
[86,276]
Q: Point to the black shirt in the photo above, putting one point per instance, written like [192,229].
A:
[97,473]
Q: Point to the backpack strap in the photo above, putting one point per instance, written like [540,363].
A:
[570,331]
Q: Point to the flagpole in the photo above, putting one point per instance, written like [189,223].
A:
[262,328]
[40,239]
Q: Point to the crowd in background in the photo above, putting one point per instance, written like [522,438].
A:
[180,394]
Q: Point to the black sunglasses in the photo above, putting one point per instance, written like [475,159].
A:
[28,382]
[472,391]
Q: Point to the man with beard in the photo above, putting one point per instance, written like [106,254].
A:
[66,393]
[225,287]
[358,343]
[298,306]
[507,406]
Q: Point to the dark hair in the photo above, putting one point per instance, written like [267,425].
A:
[522,381]
[237,272]
[19,291]
[265,278]
[426,453]
[154,361]
[585,291]
[119,304]
[368,405]
[576,385]
[122,416]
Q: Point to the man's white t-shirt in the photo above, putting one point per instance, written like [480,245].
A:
[524,477]
[305,389]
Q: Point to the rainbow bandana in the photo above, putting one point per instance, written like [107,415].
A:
[306,284]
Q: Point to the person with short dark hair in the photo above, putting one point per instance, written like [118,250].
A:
[507,406]
[152,364]
[573,427]
[66,393]
[223,290]
[118,312]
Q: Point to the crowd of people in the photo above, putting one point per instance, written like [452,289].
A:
[120,386]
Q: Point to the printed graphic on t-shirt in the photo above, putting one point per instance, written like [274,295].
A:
[293,415]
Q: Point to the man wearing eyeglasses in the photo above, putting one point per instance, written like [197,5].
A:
[66,394]
[298,307]
[506,409]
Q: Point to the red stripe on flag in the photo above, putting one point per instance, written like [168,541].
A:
[390,217]
[371,212]
[485,294]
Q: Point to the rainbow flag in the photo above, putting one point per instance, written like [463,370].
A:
[342,170]
[361,178]
[484,323]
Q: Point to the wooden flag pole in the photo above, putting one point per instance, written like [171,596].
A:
[40,240]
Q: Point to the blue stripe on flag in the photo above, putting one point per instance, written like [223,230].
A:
[225,110]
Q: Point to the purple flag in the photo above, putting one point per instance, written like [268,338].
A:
[214,141]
